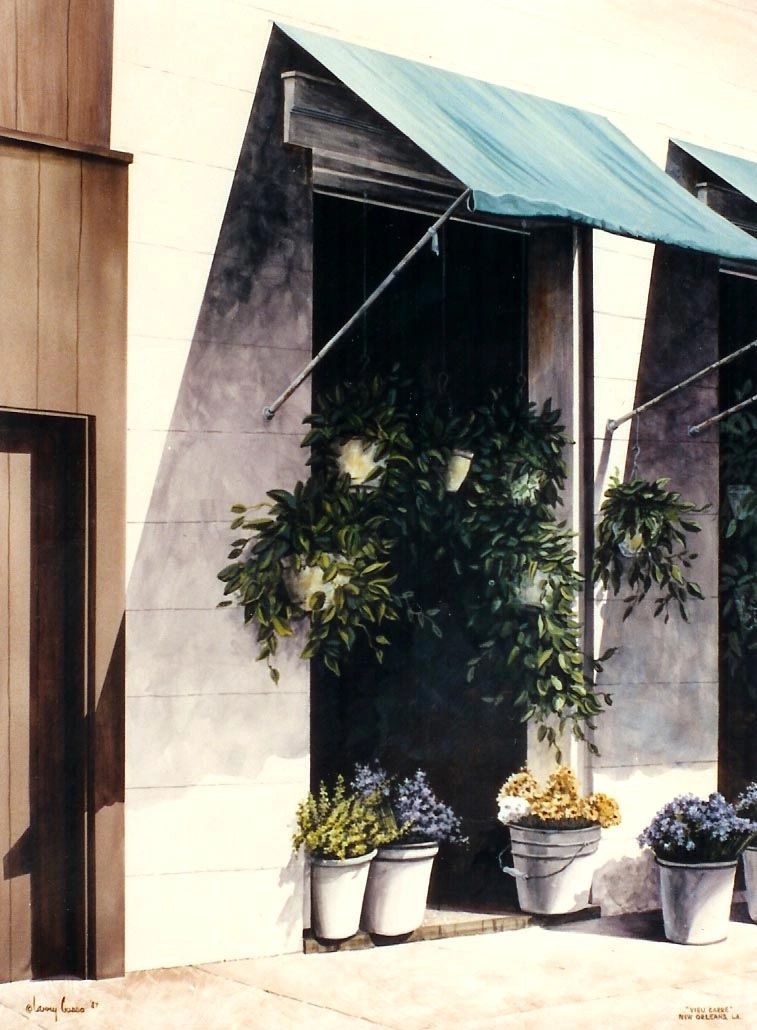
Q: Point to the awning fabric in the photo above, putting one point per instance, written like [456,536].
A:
[524,156]
[737,171]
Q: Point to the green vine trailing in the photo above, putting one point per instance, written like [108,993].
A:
[469,499]
[642,545]
[319,558]
[738,527]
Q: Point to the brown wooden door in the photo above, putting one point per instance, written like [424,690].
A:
[43,696]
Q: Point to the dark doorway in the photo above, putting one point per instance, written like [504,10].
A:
[454,321]
[738,547]
[43,668]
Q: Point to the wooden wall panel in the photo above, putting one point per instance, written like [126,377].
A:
[102,392]
[8,65]
[42,72]
[90,60]
[15,587]
[102,378]
[19,189]
[56,61]
[59,238]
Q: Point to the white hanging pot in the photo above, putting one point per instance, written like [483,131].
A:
[304,583]
[630,546]
[357,459]
[398,881]
[740,498]
[749,857]
[337,888]
[530,590]
[553,869]
[696,900]
[458,468]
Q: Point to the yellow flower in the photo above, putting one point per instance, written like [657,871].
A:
[560,798]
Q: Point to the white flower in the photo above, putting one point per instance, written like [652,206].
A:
[511,808]
[357,458]
[305,583]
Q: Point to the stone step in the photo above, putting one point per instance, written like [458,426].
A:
[444,923]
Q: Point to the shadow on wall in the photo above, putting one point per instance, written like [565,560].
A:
[626,884]
[202,713]
[680,337]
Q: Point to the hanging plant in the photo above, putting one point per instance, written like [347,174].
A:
[738,528]
[504,541]
[642,544]
[347,561]
[361,431]
[317,558]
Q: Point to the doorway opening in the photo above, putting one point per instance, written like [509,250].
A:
[455,324]
[45,647]
[738,539]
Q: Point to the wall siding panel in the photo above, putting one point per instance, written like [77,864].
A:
[42,48]
[8,65]
[59,240]
[19,185]
[90,56]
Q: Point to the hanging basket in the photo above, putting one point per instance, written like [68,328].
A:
[741,499]
[356,458]
[458,468]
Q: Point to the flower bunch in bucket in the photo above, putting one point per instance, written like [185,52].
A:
[690,830]
[558,805]
[413,805]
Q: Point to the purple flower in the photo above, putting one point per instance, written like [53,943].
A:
[412,802]
[690,829]
[746,803]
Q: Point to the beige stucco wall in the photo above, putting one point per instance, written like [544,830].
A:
[185,74]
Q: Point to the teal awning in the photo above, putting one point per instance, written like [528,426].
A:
[736,171]
[523,156]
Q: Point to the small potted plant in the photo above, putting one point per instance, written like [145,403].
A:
[554,833]
[398,881]
[642,543]
[746,807]
[696,844]
[340,832]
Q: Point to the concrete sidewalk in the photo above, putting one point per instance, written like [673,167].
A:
[606,973]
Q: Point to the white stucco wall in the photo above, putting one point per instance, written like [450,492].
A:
[184,78]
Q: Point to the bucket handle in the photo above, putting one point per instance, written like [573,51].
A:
[519,875]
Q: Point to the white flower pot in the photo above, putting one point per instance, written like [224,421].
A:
[696,900]
[750,875]
[395,898]
[553,868]
[457,470]
[337,887]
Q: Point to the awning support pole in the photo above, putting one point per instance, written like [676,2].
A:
[694,430]
[299,379]
[613,423]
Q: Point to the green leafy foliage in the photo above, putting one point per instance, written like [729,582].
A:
[318,557]
[355,534]
[642,545]
[738,528]
[341,824]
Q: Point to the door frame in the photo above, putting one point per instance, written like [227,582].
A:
[50,430]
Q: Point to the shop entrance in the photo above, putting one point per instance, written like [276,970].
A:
[455,323]
[43,605]
[738,539]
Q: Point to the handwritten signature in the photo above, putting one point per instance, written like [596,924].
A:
[64,1007]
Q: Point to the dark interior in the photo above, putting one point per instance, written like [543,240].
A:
[456,322]
[738,693]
